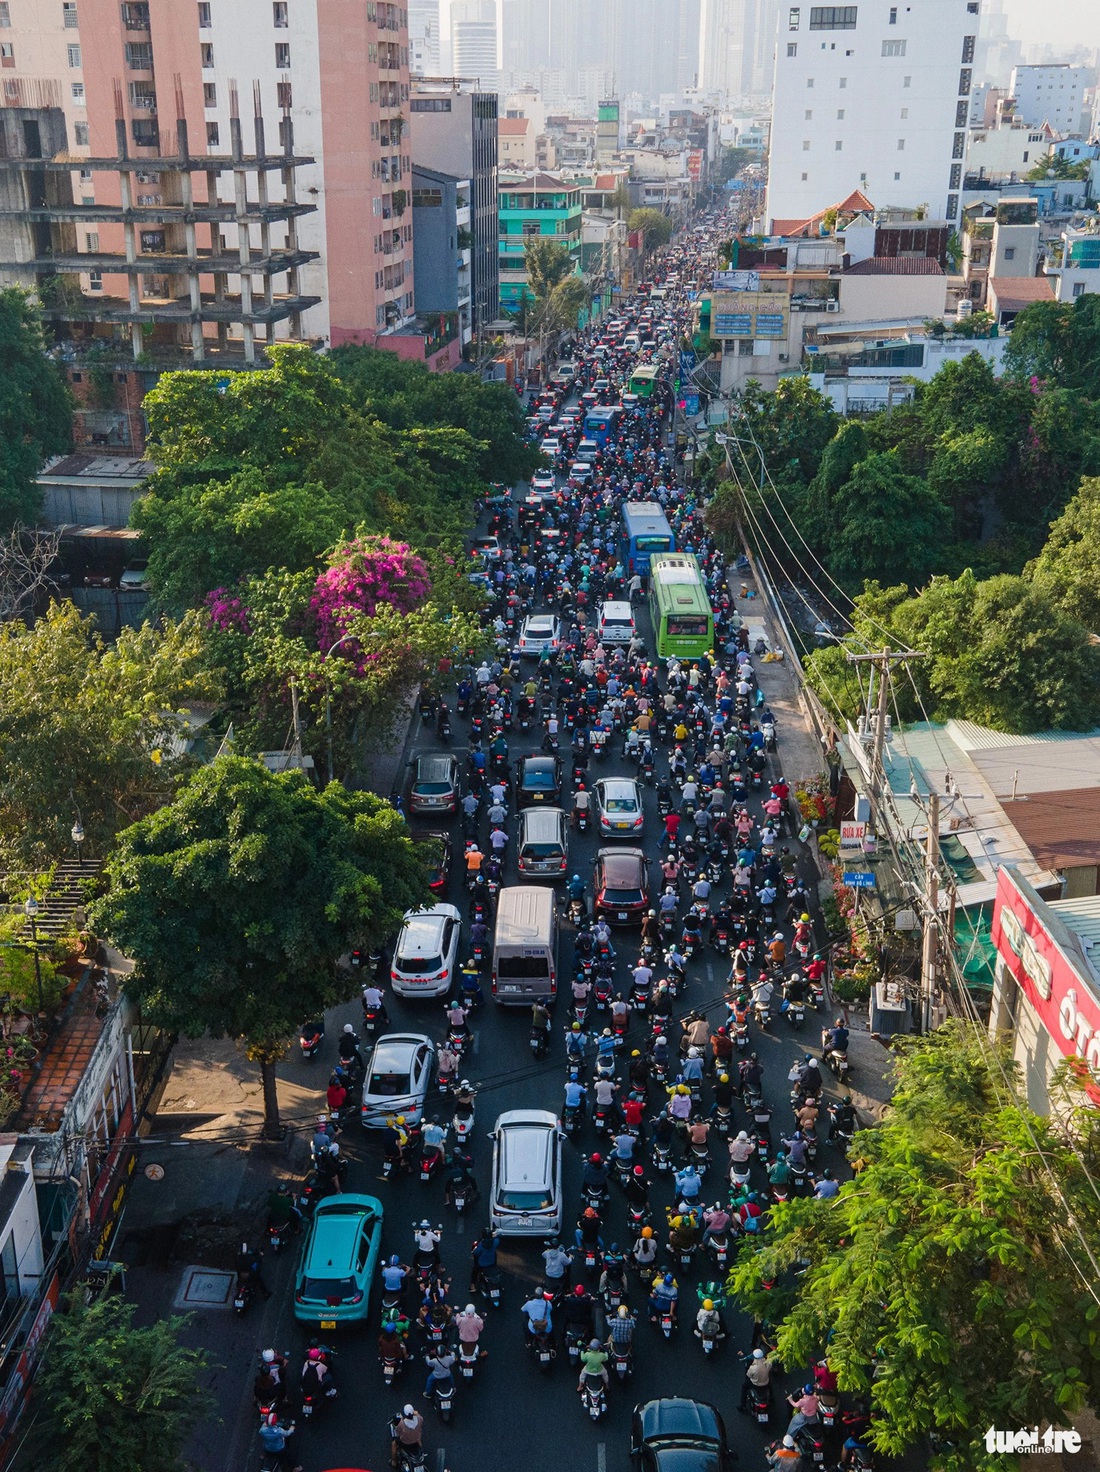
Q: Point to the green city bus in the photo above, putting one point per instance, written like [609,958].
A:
[683,622]
[643,380]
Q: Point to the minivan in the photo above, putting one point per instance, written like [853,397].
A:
[632,342]
[526,1195]
[616,623]
[525,946]
[543,843]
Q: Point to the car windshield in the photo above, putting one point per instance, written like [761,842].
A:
[523,968]
[622,804]
[419,965]
[538,777]
[524,1200]
[330,1290]
[622,896]
[388,1085]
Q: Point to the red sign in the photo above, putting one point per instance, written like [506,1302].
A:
[11,1406]
[1067,1006]
[695,163]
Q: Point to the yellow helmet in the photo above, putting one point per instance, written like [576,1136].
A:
[682,1089]
[677,1221]
[804,919]
[400,1119]
[708,1304]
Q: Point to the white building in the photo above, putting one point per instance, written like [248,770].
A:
[875,97]
[1052,94]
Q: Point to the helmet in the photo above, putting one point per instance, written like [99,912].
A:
[653,914]
[313,1356]
[723,1078]
[425,1225]
[400,1119]
[788,1441]
[758,1354]
[579,1290]
[590,1212]
[807,1390]
[803,919]
[693,1052]
[593,1344]
[273,1419]
[469,1309]
[606,1033]
[348,1027]
[817,954]
[826,1175]
[576,1027]
[395,1261]
[682,1089]
[334,1149]
[669,1279]
[624,1312]
[809,1058]
[721,1032]
[647,1233]
[408,1411]
[847,1098]
[595,1159]
[708,1304]
[839,1022]
[576,879]
[464,1083]
[662,1039]
[322,1119]
[741,1135]
[635,1054]
[268,1356]
[639,1171]
[677,1221]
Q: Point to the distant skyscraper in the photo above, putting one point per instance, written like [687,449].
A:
[424,38]
[737,46]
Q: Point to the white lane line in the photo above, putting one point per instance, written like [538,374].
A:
[601,1456]
[441,1459]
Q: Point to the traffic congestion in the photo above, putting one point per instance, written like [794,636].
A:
[581,1079]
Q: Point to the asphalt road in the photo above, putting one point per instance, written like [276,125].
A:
[512,1416]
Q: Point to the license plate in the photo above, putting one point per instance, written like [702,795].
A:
[622,914]
[525,1221]
[328,1323]
[622,825]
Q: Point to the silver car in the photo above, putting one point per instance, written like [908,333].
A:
[525,1199]
[619,806]
[398,1074]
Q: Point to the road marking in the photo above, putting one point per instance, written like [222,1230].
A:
[601,1456]
[441,1459]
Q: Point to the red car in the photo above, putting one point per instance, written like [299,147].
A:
[621,885]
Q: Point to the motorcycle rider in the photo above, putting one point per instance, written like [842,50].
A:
[758,1376]
[469,1325]
[835,1038]
[557,1266]
[406,1430]
[460,1176]
[593,1361]
[277,1438]
[842,1118]
[483,1257]
[538,1318]
[441,1365]
[663,1296]
[317,1376]
[708,1321]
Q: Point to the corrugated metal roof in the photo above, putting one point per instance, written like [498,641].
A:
[970,737]
[896,266]
[1082,916]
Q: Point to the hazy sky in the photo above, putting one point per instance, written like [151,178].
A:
[1061,22]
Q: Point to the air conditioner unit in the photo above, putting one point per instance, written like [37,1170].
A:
[832,306]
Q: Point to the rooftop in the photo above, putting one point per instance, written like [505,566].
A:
[854,204]
[518,183]
[513,127]
[1014,293]
[896,266]
[97,468]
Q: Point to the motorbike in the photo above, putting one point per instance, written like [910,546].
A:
[311,1038]
[594,1397]
[622,1362]
[760,1408]
[468,1356]
[723,1120]
[488,1280]
[540,1040]
[709,1337]
[796,1013]
[576,1339]
[662,1157]
[811,1444]
[542,1347]
[443,1393]
[839,1064]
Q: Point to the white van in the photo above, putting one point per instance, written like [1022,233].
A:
[616,623]
[632,342]
[525,946]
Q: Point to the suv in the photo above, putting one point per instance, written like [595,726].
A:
[434,786]
[525,1198]
[424,957]
[676,1433]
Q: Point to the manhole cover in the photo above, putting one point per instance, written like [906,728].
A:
[205,1288]
[154,1172]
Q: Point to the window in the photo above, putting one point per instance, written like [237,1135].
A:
[968,49]
[204,15]
[805,177]
[809,114]
[143,95]
[206,51]
[833,17]
[135,15]
[964,82]
[139,56]
[809,81]
[1026,156]
[840,114]
[91,242]
[901,145]
[905,112]
[279,18]
[792,48]
[842,83]
[952,206]
[972,7]
[5,16]
[209,94]
[152,241]
[78,92]
[905,81]
[792,18]
[1010,253]
[282,55]
[805,145]
[896,177]
[68,15]
[212,135]
[956,176]
[893,48]
[893,15]
[1078,288]
[145,133]
[80,132]
[286,134]
[85,173]
[839,145]
[74,56]
[95,280]
[430,104]
[962,112]
[427,199]
[284,95]
[958,148]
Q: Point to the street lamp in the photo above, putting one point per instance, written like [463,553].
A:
[30,909]
[78,839]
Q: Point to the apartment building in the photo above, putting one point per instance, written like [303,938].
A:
[535,206]
[1054,95]
[873,96]
[226,173]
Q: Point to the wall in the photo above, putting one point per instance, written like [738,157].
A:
[999,152]
[892,298]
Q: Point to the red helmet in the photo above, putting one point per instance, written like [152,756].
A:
[590,1211]
[579,1290]
[596,1158]
[721,1032]
[638,1171]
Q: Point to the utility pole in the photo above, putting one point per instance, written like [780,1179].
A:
[881,664]
[930,946]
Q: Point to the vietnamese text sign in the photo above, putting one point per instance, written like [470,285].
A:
[852,834]
[859,880]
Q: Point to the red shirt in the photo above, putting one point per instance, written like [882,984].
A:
[672,824]
[633,1111]
[815,970]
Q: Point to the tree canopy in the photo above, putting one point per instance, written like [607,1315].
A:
[942,1281]
[1058,342]
[655,227]
[35,409]
[236,899]
[110,1395]
[1068,567]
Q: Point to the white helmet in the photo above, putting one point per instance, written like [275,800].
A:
[469,1309]
[348,1027]
[268,1356]
[741,1135]
[693,1052]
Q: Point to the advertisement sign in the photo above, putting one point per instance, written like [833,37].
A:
[770,324]
[11,1405]
[733,324]
[695,163]
[1067,1006]
[736,281]
[852,834]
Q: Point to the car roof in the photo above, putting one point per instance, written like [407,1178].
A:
[422,930]
[337,1224]
[395,1050]
[434,768]
[619,787]
[620,862]
[677,1417]
[549,619]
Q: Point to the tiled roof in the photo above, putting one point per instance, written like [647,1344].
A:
[856,203]
[1013,293]
[1062,829]
[896,266]
[513,127]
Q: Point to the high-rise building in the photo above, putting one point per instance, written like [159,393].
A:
[874,97]
[725,48]
[474,53]
[148,92]
[455,132]
[424,59]
[1052,94]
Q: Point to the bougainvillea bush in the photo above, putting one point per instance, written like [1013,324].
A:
[363,576]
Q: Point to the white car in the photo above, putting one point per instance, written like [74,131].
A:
[426,953]
[540,631]
[580,472]
[551,446]
[619,805]
[398,1074]
[543,480]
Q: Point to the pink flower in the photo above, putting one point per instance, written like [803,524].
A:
[227,612]
[365,575]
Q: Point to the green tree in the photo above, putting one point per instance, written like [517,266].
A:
[1003,654]
[839,458]
[109,1395]
[1054,166]
[236,900]
[547,262]
[734,160]
[35,409]
[942,1281]
[792,425]
[889,526]
[88,728]
[654,225]
[1059,342]
[1068,567]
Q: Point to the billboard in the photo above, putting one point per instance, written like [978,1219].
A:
[736,281]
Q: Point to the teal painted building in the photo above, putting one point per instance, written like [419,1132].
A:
[534,205]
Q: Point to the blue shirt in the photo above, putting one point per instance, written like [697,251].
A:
[826,1190]
[574,1093]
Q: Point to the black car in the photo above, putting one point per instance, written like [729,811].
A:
[676,1435]
[539,780]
